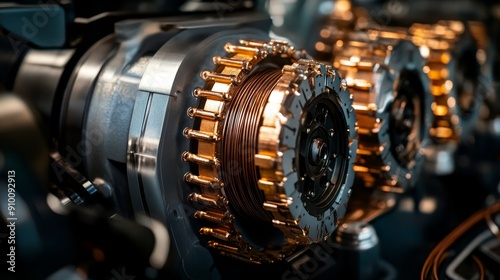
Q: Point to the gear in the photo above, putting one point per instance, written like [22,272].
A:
[392,102]
[262,106]
[454,72]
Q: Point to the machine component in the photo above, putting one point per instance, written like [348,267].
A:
[115,113]
[77,234]
[454,72]
[392,102]
[456,64]
[259,170]
[274,151]
[358,250]
[273,135]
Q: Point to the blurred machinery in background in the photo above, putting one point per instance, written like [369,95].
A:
[244,139]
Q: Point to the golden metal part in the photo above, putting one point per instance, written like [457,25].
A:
[193,158]
[203,181]
[363,62]
[215,216]
[442,45]
[276,176]
[242,58]
[209,200]
[201,135]
[219,233]
[437,42]
[213,95]
[282,116]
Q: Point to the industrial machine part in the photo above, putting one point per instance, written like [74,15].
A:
[358,250]
[392,102]
[456,63]
[240,146]
[454,72]
[269,136]
[287,169]
[28,209]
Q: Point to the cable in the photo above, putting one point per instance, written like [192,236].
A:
[480,267]
[437,254]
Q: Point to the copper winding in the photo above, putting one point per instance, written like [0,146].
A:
[239,143]
[245,134]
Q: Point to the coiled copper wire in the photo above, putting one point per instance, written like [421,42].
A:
[239,142]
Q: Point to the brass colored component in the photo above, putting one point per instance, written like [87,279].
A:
[230,72]
[209,200]
[299,81]
[456,99]
[374,68]
[282,119]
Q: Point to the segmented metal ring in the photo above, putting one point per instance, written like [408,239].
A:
[266,216]
[392,102]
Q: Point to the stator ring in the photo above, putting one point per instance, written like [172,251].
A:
[263,86]
[392,102]
[452,66]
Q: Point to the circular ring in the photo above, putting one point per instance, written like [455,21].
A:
[311,101]
[392,102]
[229,229]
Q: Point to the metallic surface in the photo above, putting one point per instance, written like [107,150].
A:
[356,236]
[458,85]
[281,118]
[78,92]
[39,76]
[456,99]
[456,55]
[358,248]
[129,102]
[260,168]
[375,72]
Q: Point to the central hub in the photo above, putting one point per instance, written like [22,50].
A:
[315,144]
[319,151]
[323,151]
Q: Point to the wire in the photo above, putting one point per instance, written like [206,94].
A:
[240,144]
[480,267]
[492,226]
[436,256]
